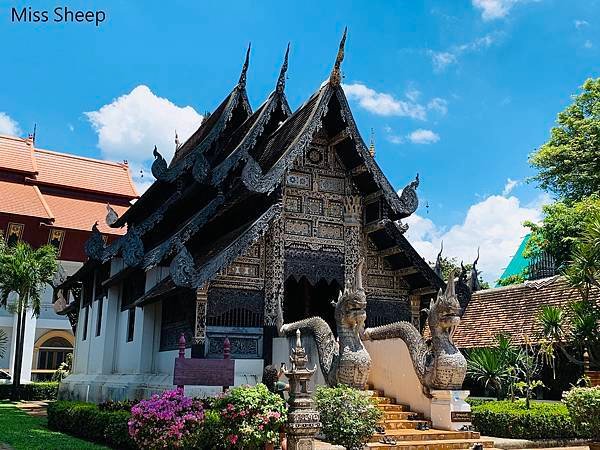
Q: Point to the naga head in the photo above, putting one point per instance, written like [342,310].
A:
[351,305]
[444,312]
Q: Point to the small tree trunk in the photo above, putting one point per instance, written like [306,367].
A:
[17,357]
[20,345]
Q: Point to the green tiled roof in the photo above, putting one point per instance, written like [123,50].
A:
[518,262]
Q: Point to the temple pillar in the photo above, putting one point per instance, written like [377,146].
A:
[352,244]
[199,341]
[274,287]
[415,310]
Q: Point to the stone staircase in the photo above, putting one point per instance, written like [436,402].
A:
[406,429]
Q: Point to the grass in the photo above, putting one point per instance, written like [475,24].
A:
[21,431]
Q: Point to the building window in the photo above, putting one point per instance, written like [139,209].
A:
[130,324]
[133,288]
[14,233]
[86,316]
[53,352]
[178,316]
[99,318]
[56,238]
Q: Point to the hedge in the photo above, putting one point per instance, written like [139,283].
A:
[512,420]
[32,391]
[87,421]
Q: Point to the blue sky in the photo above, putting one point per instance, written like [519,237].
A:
[458,91]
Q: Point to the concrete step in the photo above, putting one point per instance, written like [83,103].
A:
[408,434]
[447,444]
[403,424]
[378,400]
[393,407]
[405,415]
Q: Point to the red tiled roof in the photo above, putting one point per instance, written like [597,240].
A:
[513,310]
[16,154]
[80,214]
[81,173]
[22,199]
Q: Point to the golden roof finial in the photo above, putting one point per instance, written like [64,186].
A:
[336,75]
[372,144]
[242,82]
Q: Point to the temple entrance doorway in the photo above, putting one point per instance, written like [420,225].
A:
[303,300]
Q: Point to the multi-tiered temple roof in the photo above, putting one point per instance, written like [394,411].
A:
[224,185]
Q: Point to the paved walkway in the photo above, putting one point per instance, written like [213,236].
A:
[33,408]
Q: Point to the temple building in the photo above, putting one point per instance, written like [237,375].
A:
[261,217]
[53,198]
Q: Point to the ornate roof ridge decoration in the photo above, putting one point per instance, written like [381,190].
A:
[253,176]
[408,250]
[182,268]
[94,246]
[243,75]
[159,166]
[409,198]
[194,158]
[177,240]
[438,261]
[335,78]
[111,215]
[240,154]
[283,72]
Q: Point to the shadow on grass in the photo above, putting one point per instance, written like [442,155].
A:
[21,431]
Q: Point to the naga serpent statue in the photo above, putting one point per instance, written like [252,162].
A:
[345,361]
[438,363]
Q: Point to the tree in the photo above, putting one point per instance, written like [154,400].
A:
[569,163]
[3,343]
[561,227]
[25,272]
[577,329]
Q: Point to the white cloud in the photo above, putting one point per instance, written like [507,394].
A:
[509,186]
[422,136]
[8,125]
[580,23]
[395,139]
[496,9]
[494,224]
[588,44]
[130,126]
[384,104]
[438,104]
[441,60]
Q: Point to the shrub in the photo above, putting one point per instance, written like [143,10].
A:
[250,416]
[476,401]
[584,406]
[87,421]
[165,420]
[513,420]
[32,391]
[348,415]
[123,405]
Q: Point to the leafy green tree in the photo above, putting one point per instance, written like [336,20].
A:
[569,163]
[25,272]
[563,223]
[517,278]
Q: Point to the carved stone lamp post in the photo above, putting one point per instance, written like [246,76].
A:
[303,420]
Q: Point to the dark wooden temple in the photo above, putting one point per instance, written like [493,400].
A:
[261,217]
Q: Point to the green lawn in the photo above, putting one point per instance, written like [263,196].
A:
[24,432]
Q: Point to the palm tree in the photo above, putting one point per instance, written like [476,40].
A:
[26,272]
[3,343]
[490,368]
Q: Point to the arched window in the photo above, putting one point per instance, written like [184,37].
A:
[53,352]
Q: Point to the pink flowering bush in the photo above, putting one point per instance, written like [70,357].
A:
[165,421]
[251,416]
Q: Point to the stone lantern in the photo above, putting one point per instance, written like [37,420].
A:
[303,420]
